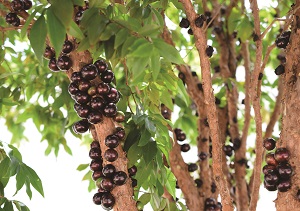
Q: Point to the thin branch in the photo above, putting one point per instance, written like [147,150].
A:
[209,100]
[270,26]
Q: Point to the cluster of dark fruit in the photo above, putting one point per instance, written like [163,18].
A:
[63,62]
[199,22]
[278,171]
[180,137]
[212,205]
[283,40]
[79,13]
[17,6]
[229,149]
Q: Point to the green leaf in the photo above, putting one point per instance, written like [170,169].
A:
[37,37]
[144,50]
[83,45]
[88,16]
[96,26]
[15,153]
[245,29]
[155,64]
[149,29]
[5,75]
[8,102]
[63,10]
[78,2]
[28,190]
[182,92]
[8,206]
[4,165]
[150,125]
[81,167]
[38,9]
[75,31]
[145,138]
[151,150]
[233,19]
[120,38]
[170,182]
[57,31]
[145,198]
[134,154]
[20,180]
[167,51]
[33,178]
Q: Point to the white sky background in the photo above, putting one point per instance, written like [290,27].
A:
[63,187]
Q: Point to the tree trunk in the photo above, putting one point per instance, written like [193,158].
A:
[290,133]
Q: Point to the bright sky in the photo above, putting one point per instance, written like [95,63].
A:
[62,183]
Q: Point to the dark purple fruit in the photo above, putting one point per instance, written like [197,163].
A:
[112,141]
[111,155]
[133,182]
[181,76]
[73,89]
[97,103]
[11,17]
[271,178]
[81,126]
[202,156]
[190,32]
[67,47]
[210,201]
[110,110]
[269,144]
[185,147]
[113,95]
[184,23]
[97,198]
[284,170]
[119,178]
[236,143]
[260,76]
[95,154]
[107,201]
[101,66]
[228,150]
[17,5]
[279,70]
[199,21]
[49,53]
[213,187]
[97,174]
[192,167]
[282,155]
[95,117]
[209,51]
[180,135]
[270,159]
[64,63]
[84,85]
[120,117]
[96,165]
[101,190]
[27,4]
[81,97]
[107,76]
[270,187]
[83,111]
[52,65]
[95,144]
[109,170]
[103,89]
[132,171]
[120,132]
[268,168]
[107,184]
[76,77]
[89,72]
[198,182]
[298,195]
[284,185]
[78,16]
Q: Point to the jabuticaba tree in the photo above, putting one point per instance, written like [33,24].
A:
[142,83]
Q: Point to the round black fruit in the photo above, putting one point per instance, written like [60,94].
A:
[192,167]
[52,65]
[120,132]
[97,198]
[95,117]
[210,201]
[27,4]
[108,170]
[199,21]
[284,170]
[49,53]
[67,47]
[76,77]
[107,184]
[95,154]
[269,144]
[89,72]
[64,63]
[103,88]
[111,155]
[190,32]
[113,95]
[84,85]
[97,103]
[110,110]
[270,187]
[73,88]
[133,182]
[17,5]
[279,70]
[96,165]
[198,182]
[11,17]
[81,126]
[112,141]
[101,66]
[97,174]
[132,171]
[107,201]
[119,178]
[228,150]
[209,51]
[185,147]
[95,144]
[184,23]
[271,178]
[83,111]
[81,97]
[282,155]
[284,185]
[202,156]
[78,16]
[268,168]
[107,76]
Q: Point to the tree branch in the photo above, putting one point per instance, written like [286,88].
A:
[209,100]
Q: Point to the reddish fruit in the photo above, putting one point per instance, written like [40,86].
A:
[270,159]
[113,95]
[120,117]
[97,174]
[107,184]
[108,170]
[95,144]
[269,144]
[111,155]
[81,97]
[120,132]
[107,201]
[83,111]
[119,178]
[282,155]
[112,141]
[95,154]
[110,110]
[64,63]
[81,126]
[84,85]
[202,156]
[96,165]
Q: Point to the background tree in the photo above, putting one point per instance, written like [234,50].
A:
[163,98]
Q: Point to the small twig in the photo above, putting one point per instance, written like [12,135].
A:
[270,26]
